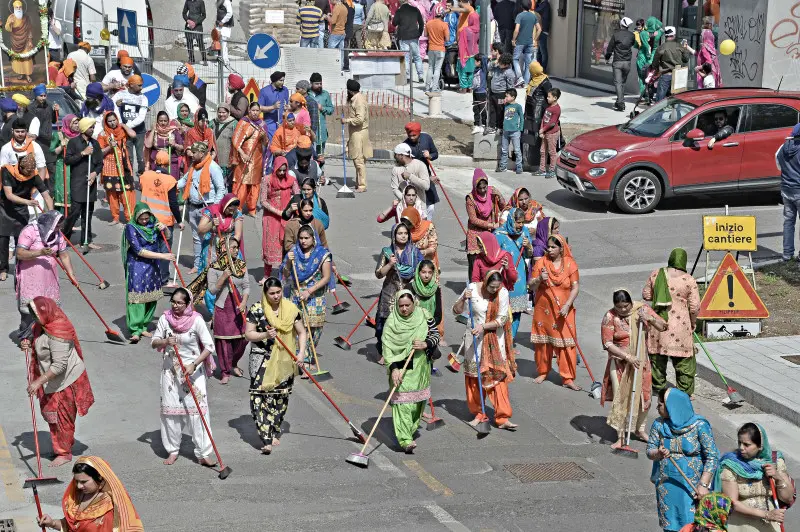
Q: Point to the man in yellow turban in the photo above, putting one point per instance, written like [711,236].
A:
[19,26]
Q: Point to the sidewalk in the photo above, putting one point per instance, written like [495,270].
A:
[757,369]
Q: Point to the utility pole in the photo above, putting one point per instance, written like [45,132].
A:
[486,37]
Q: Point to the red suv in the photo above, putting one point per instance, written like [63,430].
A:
[665,152]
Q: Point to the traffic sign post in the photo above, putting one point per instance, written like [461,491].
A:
[730,295]
[151,89]
[127,27]
[263,50]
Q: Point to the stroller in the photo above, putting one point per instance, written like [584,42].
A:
[449,73]
[650,89]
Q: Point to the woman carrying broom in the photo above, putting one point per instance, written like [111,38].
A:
[311,262]
[223,218]
[140,256]
[272,368]
[484,205]
[410,330]
[514,238]
[183,328]
[492,332]
[57,375]
[228,322]
[117,177]
[58,146]
[428,294]
[619,333]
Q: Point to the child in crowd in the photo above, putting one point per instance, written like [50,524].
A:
[513,119]
[550,133]
[708,76]
[479,109]
[503,78]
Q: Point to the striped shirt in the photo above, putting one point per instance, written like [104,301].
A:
[309,17]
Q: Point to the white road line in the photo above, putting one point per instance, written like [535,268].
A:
[447,520]
[384,464]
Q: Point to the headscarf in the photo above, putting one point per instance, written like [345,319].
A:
[65,126]
[126,519]
[204,185]
[510,239]
[275,181]
[400,332]
[238,268]
[483,204]
[297,97]
[148,231]
[188,120]
[534,207]
[281,365]
[319,214]
[468,38]
[496,366]
[544,229]
[419,227]
[184,322]
[68,67]
[712,511]
[407,260]
[537,77]
[490,259]
[413,128]
[306,267]
[158,131]
[752,469]
[201,132]
[681,414]
[235,82]
[662,300]
[425,292]
[118,133]
[218,211]
[47,225]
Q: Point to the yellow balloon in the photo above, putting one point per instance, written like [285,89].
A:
[727,47]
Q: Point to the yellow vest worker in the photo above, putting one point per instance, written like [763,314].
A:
[159,192]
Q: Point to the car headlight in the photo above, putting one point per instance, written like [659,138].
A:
[601,156]
[596,172]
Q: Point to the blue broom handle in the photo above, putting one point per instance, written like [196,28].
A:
[344,156]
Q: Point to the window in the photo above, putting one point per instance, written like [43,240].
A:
[687,127]
[715,119]
[659,118]
[764,116]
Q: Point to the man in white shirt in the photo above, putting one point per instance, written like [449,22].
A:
[180,95]
[54,40]
[21,145]
[132,106]
[408,171]
[117,78]
[224,25]
[85,71]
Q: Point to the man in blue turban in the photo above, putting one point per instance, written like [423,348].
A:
[180,95]
[8,108]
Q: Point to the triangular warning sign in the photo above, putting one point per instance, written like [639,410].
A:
[251,90]
[730,295]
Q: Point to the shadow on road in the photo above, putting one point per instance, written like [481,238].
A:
[247,430]
[594,427]
[25,441]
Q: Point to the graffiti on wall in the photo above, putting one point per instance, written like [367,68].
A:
[785,34]
[782,47]
[749,33]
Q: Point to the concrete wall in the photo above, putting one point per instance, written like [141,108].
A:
[745,22]
[782,45]
[563,41]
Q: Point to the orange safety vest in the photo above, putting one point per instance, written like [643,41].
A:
[155,188]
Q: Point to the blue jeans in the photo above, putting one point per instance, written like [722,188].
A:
[197,244]
[411,48]
[163,265]
[513,137]
[337,41]
[321,38]
[435,62]
[791,206]
[664,86]
[542,55]
[526,52]
[309,42]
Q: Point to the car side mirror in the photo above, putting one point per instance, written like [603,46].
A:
[695,135]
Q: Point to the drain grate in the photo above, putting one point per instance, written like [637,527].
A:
[794,359]
[7,525]
[548,472]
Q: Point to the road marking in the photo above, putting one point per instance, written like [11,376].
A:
[445,518]
[384,464]
[428,479]
[8,473]
[694,212]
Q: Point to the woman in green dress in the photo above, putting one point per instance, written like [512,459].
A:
[409,331]
[58,146]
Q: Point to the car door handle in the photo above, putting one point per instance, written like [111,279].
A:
[730,144]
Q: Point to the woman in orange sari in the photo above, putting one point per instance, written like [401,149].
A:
[95,501]
[117,175]
[423,235]
[200,132]
[554,278]
[247,158]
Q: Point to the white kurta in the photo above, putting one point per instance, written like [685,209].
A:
[479,308]
[178,409]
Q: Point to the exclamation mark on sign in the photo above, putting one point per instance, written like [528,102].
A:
[731,304]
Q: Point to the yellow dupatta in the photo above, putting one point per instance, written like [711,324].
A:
[281,365]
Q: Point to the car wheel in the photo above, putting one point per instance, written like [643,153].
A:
[638,192]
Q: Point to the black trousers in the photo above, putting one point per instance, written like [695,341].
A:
[496,110]
[506,36]
[479,110]
[195,36]
[77,210]
[5,240]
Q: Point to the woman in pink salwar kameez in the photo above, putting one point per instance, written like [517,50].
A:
[276,192]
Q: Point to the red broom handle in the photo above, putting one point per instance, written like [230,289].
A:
[33,415]
[363,317]
[775,497]
[169,250]
[444,190]
[572,331]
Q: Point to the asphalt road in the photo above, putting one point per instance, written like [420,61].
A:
[453,481]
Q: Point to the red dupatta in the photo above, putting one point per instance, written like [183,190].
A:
[495,367]
[490,259]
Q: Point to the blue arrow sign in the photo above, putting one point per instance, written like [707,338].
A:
[264,50]
[126,23]
[151,89]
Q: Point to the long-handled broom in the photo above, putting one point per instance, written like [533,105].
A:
[360,459]
[320,373]
[344,282]
[456,359]
[340,306]
[484,427]
[626,450]
[734,397]
[344,342]
[345,191]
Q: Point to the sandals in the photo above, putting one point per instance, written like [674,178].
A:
[508,426]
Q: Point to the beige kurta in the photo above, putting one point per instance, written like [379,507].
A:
[755,494]
[677,340]
[358,144]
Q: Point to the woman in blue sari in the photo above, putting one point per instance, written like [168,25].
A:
[312,261]
[687,438]
[515,238]
[745,476]
[397,266]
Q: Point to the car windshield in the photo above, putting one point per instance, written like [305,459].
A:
[656,120]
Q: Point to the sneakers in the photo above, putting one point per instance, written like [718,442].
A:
[620,108]
[520,82]
[550,175]
[519,170]
[539,173]
[500,169]
[477,129]
[489,131]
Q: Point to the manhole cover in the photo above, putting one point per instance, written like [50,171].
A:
[7,525]
[794,359]
[548,472]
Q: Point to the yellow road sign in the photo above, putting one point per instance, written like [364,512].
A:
[730,295]
[729,233]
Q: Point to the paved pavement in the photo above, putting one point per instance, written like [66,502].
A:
[453,482]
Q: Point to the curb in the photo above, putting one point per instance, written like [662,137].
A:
[381,155]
